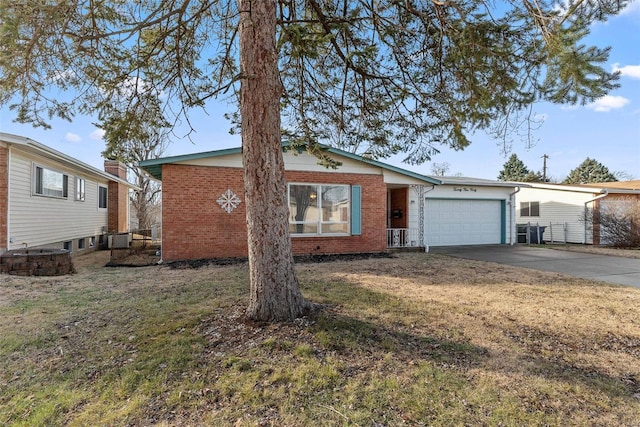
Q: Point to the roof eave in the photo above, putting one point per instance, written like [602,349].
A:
[59,156]
[154,167]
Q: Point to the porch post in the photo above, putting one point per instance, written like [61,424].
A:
[419,189]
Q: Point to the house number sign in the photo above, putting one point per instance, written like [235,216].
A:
[228,201]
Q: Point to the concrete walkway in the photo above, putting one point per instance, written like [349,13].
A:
[610,269]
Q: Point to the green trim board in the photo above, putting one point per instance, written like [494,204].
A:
[503,222]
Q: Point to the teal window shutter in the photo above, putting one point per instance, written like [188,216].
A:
[356,208]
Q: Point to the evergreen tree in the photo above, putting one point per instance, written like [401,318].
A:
[379,77]
[134,134]
[514,170]
[590,171]
[534,177]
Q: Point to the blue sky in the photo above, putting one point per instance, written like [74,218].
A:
[607,130]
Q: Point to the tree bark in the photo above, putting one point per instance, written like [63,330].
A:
[274,293]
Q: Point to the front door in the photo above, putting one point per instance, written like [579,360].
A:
[397,206]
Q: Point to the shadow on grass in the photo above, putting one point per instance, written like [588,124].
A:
[531,357]
[347,335]
[549,356]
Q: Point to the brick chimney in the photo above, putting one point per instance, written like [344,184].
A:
[118,198]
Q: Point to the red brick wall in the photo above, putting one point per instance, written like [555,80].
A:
[597,204]
[4,196]
[194,226]
[118,198]
[116,168]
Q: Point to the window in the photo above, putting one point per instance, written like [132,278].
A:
[80,189]
[68,246]
[319,209]
[92,241]
[530,209]
[50,183]
[102,197]
[81,243]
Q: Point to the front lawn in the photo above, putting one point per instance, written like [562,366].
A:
[417,339]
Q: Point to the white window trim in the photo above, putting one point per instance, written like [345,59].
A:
[34,178]
[529,209]
[83,194]
[320,221]
[107,192]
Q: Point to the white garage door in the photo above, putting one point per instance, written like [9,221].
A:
[463,222]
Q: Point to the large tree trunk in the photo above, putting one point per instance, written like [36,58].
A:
[275,294]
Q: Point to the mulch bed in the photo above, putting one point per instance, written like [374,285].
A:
[301,259]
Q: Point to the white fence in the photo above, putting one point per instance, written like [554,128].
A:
[403,238]
[552,232]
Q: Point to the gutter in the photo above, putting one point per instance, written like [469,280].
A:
[512,216]
[586,210]
[29,144]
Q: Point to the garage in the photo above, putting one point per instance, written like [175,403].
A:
[450,222]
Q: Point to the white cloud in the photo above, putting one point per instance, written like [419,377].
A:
[632,71]
[633,8]
[72,137]
[608,103]
[97,135]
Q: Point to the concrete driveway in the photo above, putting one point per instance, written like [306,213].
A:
[610,269]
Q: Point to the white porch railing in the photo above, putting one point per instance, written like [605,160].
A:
[403,238]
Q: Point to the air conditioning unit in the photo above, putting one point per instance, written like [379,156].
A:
[119,241]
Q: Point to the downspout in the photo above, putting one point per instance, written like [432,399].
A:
[512,216]
[424,202]
[161,261]
[7,213]
[586,210]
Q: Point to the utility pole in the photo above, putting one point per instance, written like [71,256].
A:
[544,167]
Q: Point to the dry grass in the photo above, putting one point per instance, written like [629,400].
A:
[420,339]
[599,250]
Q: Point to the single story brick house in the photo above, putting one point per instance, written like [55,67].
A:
[363,206]
[561,208]
[51,200]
